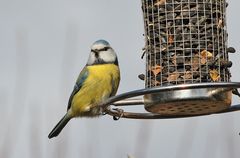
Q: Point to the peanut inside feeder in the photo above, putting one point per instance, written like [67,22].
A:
[186,43]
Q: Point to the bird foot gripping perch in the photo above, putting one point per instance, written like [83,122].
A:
[120,113]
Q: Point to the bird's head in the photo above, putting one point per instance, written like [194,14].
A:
[102,53]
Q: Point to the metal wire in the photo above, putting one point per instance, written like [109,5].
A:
[185,46]
[120,100]
[185,42]
[131,115]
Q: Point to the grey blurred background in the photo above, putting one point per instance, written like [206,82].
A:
[43,46]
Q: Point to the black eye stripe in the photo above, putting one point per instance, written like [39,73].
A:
[94,51]
[104,49]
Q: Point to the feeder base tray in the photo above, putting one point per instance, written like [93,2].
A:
[188,101]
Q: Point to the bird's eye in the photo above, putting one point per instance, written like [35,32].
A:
[105,48]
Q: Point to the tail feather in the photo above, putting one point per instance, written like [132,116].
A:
[58,128]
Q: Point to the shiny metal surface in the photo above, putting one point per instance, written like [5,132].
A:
[134,115]
[129,102]
[188,101]
[140,92]
[122,100]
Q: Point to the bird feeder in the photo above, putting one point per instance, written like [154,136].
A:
[186,43]
[187,62]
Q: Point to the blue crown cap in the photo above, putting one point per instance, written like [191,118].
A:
[101,41]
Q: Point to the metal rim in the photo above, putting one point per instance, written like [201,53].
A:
[123,100]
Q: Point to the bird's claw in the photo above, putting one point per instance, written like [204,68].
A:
[120,114]
[104,113]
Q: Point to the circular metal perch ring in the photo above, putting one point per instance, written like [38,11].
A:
[124,100]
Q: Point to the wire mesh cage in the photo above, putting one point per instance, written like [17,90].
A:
[186,43]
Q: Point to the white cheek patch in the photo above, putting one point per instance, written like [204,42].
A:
[91,59]
[108,56]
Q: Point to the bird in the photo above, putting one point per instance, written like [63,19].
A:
[97,81]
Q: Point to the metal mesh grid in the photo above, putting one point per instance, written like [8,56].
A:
[186,42]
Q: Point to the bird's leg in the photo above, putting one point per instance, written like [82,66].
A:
[104,110]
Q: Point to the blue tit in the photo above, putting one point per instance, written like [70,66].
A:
[98,81]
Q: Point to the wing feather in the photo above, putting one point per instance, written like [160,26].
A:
[78,85]
[115,84]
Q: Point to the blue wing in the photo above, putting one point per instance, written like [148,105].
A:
[81,78]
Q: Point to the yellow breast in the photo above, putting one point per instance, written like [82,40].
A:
[102,81]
